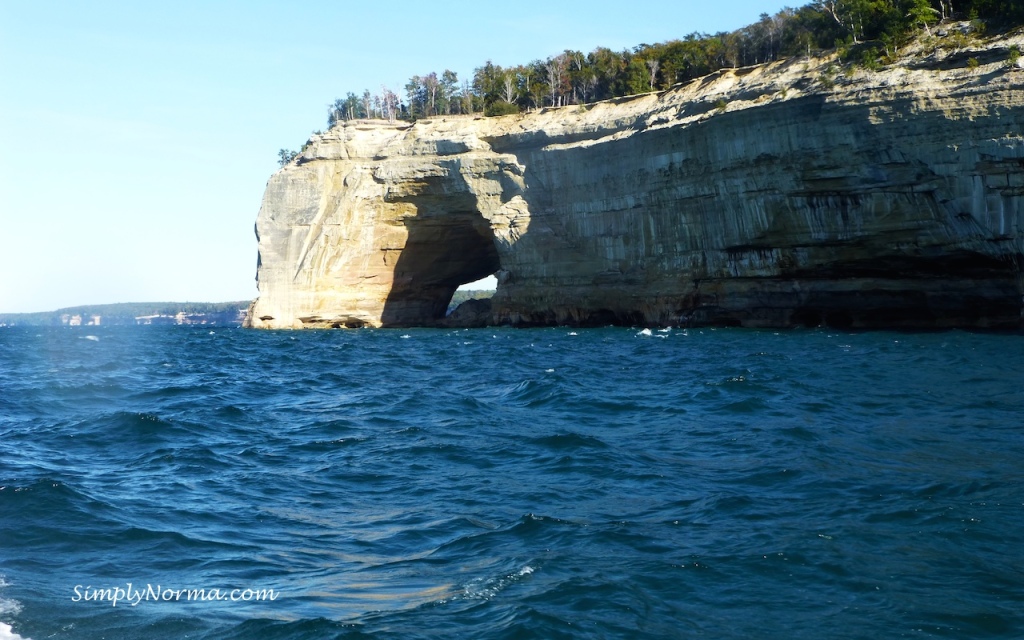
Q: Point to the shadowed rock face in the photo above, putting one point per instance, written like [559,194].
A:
[893,199]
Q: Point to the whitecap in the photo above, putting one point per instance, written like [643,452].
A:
[93,338]
[644,332]
[8,608]
[485,589]
[405,336]
[573,333]
[6,633]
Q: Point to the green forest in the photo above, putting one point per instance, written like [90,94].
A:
[874,30]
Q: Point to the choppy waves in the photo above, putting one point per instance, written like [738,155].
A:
[503,483]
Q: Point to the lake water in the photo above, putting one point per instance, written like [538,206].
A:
[501,483]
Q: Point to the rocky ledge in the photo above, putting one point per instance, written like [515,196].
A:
[772,196]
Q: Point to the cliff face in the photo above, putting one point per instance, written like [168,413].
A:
[755,197]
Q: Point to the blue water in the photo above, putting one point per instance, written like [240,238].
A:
[507,483]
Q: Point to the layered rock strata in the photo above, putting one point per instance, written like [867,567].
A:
[772,196]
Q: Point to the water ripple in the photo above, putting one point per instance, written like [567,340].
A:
[514,483]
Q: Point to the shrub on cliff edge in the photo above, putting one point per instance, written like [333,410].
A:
[501,108]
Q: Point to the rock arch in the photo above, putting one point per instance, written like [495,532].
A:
[444,249]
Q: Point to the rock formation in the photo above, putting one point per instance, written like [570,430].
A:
[770,196]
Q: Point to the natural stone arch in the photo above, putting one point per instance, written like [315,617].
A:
[441,253]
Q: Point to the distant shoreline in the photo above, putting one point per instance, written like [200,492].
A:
[161,313]
[133,313]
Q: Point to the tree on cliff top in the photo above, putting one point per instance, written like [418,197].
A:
[571,77]
[284,156]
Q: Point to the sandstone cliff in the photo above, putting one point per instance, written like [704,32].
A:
[776,195]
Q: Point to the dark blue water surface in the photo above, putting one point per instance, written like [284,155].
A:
[548,483]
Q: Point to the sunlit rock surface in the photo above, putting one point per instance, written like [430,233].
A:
[756,197]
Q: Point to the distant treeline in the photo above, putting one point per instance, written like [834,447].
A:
[573,77]
[463,295]
[123,313]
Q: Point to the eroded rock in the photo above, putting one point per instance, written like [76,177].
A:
[887,199]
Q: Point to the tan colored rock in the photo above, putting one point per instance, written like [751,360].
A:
[890,199]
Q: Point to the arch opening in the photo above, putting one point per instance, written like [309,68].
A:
[440,254]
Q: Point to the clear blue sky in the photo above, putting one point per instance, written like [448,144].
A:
[137,137]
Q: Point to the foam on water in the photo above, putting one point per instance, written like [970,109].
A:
[7,633]
[486,589]
[9,609]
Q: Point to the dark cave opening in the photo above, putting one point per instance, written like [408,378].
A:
[441,254]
